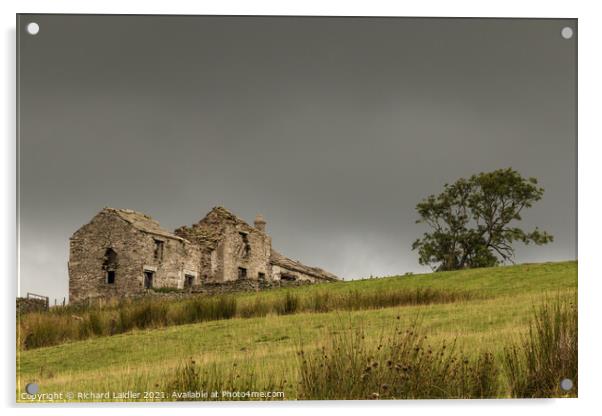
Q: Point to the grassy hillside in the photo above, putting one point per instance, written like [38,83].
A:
[262,351]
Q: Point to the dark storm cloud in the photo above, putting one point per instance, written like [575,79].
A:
[332,128]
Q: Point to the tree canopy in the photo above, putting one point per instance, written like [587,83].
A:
[473,221]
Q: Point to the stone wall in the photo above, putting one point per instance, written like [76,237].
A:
[235,286]
[208,289]
[244,248]
[27,305]
[180,259]
[135,252]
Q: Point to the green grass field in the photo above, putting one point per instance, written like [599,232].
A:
[263,351]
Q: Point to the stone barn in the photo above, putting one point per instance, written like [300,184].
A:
[121,252]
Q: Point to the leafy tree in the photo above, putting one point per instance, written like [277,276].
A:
[472,221]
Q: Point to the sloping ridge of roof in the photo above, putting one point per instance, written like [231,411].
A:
[280,260]
[142,222]
[224,213]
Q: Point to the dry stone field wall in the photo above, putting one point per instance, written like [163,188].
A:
[27,305]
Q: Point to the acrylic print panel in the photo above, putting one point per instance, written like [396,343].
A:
[296,208]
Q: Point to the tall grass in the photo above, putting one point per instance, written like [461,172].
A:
[350,364]
[55,327]
[536,366]
[289,304]
[402,366]
[229,383]
[356,300]
[79,322]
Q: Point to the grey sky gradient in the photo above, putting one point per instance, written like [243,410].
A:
[332,128]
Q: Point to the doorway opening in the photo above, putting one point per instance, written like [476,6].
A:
[148,279]
[188,281]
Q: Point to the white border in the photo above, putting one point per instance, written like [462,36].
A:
[590,278]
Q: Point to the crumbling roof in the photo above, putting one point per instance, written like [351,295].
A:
[142,222]
[224,214]
[203,237]
[210,229]
[280,260]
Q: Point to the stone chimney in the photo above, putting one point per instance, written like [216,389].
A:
[260,223]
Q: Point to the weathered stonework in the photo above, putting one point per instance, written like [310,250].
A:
[127,253]
[27,305]
[232,246]
[143,254]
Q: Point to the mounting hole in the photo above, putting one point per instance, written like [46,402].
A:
[566,384]
[33,28]
[32,388]
[566,32]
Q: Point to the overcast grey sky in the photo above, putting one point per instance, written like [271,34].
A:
[332,128]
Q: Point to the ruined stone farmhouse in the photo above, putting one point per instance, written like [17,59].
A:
[121,252]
